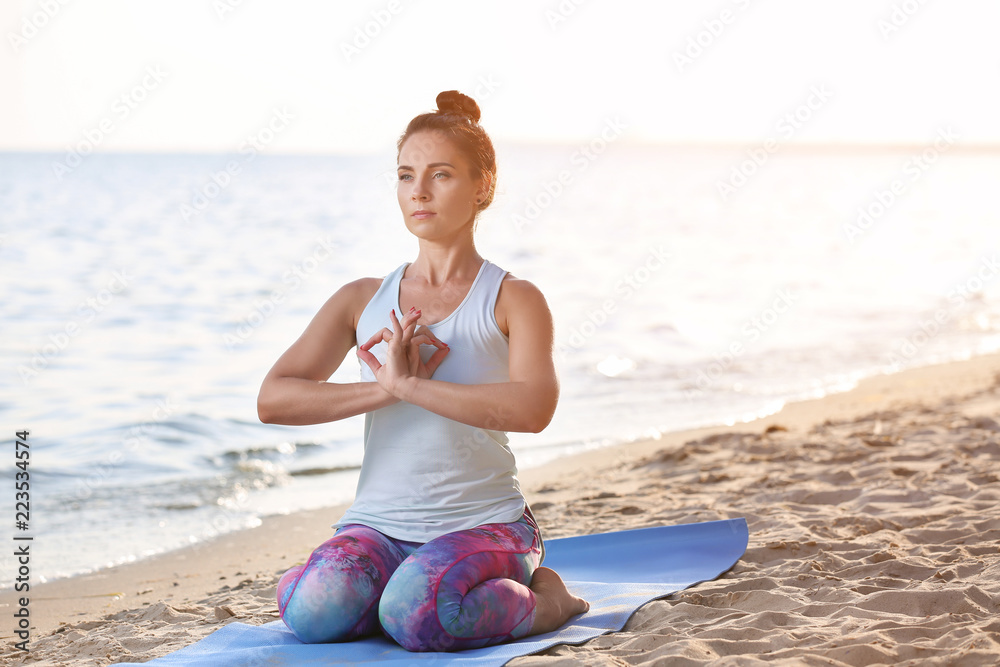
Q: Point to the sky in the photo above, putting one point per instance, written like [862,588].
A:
[319,76]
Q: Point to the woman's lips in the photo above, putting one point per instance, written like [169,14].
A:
[423,214]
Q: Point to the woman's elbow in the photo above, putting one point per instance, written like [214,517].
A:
[264,413]
[267,411]
[537,419]
[536,426]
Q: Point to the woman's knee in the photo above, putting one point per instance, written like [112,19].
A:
[431,604]
[407,610]
[320,605]
[334,596]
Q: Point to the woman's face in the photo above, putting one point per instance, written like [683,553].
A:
[436,190]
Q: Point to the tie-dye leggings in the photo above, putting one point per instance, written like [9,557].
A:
[462,590]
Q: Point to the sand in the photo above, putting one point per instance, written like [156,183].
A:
[874,540]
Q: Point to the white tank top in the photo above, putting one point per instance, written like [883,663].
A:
[424,475]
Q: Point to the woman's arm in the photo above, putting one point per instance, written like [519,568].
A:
[295,390]
[525,404]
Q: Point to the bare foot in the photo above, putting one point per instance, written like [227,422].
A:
[554,604]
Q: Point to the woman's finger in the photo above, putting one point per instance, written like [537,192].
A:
[370,360]
[436,359]
[409,323]
[425,339]
[397,328]
[429,337]
[411,319]
[404,327]
[379,336]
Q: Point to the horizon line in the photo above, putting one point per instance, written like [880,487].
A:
[795,146]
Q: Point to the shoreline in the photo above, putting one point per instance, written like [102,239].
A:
[251,559]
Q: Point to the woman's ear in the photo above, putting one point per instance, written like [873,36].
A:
[483,190]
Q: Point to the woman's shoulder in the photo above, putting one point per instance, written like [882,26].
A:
[363,287]
[348,302]
[517,289]
[519,298]
[354,296]
[354,292]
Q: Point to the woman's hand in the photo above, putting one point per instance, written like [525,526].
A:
[403,352]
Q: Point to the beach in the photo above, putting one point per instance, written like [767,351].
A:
[773,282]
[874,520]
[669,330]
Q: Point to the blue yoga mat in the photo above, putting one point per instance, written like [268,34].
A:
[616,572]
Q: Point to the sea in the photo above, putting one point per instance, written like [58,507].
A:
[145,296]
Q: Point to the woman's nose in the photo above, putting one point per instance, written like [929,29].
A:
[418,193]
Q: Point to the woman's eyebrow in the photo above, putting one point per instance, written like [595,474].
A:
[431,165]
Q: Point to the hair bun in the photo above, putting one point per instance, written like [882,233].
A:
[454,102]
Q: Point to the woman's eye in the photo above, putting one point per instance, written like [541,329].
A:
[409,177]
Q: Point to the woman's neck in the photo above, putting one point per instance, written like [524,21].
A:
[440,264]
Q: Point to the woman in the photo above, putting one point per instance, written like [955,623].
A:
[439,549]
